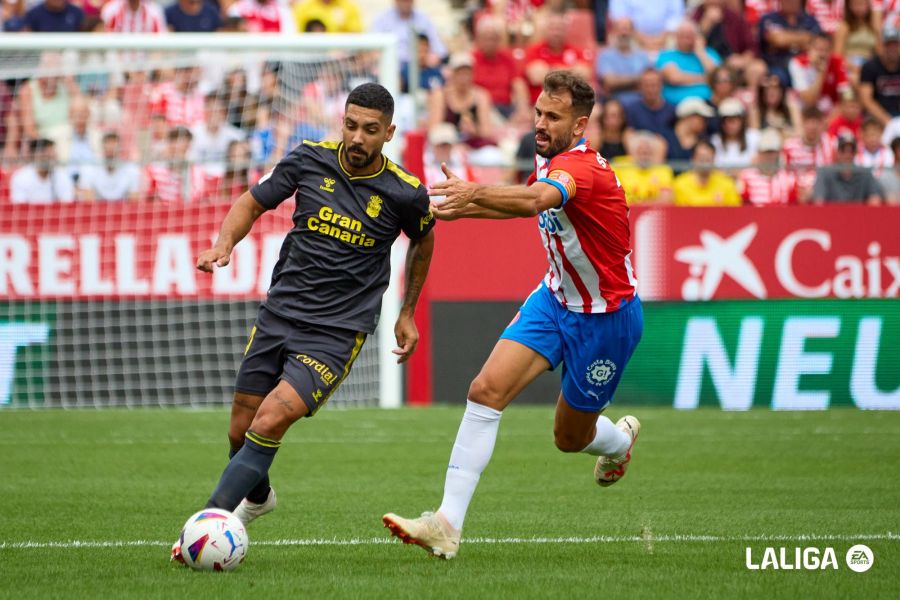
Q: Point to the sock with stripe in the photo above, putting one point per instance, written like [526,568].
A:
[245,470]
[260,492]
[608,441]
[470,456]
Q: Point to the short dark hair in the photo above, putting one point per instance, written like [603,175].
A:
[110,135]
[581,91]
[374,96]
[702,143]
[895,144]
[180,133]
[871,121]
[40,144]
[812,112]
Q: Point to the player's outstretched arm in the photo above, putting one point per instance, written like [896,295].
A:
[512,200]
[237,224]
[418,259]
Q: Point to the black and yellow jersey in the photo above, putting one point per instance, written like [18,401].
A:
[334,264]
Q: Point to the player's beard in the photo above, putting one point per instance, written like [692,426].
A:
[554,145]
[359,161]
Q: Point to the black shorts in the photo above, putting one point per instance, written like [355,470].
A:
[313,359]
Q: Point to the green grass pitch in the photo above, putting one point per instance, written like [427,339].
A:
[752,479]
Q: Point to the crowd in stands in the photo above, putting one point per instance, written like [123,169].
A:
[700,102]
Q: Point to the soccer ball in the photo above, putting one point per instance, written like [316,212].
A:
[214,540]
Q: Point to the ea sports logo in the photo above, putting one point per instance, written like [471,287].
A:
[860,558]
[601,372]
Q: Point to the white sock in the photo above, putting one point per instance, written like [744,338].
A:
[471,454]
[609,441]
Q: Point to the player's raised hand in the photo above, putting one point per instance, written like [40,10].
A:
[215,256]
[407,337]
[456,192]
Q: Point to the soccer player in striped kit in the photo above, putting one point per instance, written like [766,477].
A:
[585,314]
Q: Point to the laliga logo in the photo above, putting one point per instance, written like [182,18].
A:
[716,258]
[859,558]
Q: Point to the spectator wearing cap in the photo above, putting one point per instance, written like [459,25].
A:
[187,16]
[495,69]
[42,181]
[112,180]
[890,178]
[651,112]
[734,142]
[643,174]
[554,53]
[53,16]
[818,75]
[399,20]
[844,182]
[784,34]
[879,81]
[873,154]
[686,68]
[651,19]
[690,128]
[620,64]
[338,16]
[813,148]
[766,182]
[443,147]
[703,185]
[463,104]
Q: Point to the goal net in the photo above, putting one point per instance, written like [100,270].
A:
[121,156]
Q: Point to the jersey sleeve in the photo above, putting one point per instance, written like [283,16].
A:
[280,183]
[417,220]
[568,176]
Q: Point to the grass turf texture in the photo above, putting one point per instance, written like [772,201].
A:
[136,475]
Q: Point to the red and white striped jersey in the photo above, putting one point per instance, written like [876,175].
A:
[271,16]
[118,17]
[878,160]
[165,183]
[764,189]
[587,238]
[178,108]
[827,12]
[797,155]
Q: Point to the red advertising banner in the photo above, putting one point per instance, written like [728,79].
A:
[133,251]
[772,252]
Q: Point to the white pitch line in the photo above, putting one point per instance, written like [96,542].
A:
[599,539]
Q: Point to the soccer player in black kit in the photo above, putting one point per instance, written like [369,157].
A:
[352,202]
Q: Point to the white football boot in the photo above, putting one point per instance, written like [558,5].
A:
[431,531]
[609,470]
[248,511]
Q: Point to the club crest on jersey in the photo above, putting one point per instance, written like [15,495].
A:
[328,184]
[601,372]
[373,209]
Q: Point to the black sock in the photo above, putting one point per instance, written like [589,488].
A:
[244,471]
[260,492]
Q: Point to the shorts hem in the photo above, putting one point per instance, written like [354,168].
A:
[531,347]
[243,390]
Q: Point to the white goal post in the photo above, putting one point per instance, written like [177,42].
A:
[42,370]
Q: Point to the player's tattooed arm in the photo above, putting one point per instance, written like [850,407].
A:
[240,218]
[418,259]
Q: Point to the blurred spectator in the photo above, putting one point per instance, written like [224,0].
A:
[735,144]
[848,117]
[873,154]
[879,82]
[238,177]
[642,173]
[443,148]
[53,16]
[179,99]
[828,13]
[723,85]
[496,70]
[651,19]
[174,179]
[775,107]
[844,181]
[314,26]
[554,53]
[858,35]
[42,181]
[429,77]
[338,16]
[262,138]
[690,129]
[525,158]
[725,31]
[133,16]
[890,178]
[112,179]
[403,18]
[703,185]
[818,75]
[766,182]
[685,69]
[620,64]
[784,34]
[813,148]
[212,138]
[463,104]
[264,16]
[651,112]
[197,16]
[82,145]
[43,101]
[612,130]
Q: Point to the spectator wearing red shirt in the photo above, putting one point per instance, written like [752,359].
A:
[264,16]
[554,53]
[175,179]
[818,75]
[495,69]
[766,183]
[179,99]
[133,16]
[813,148]
[849,117]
